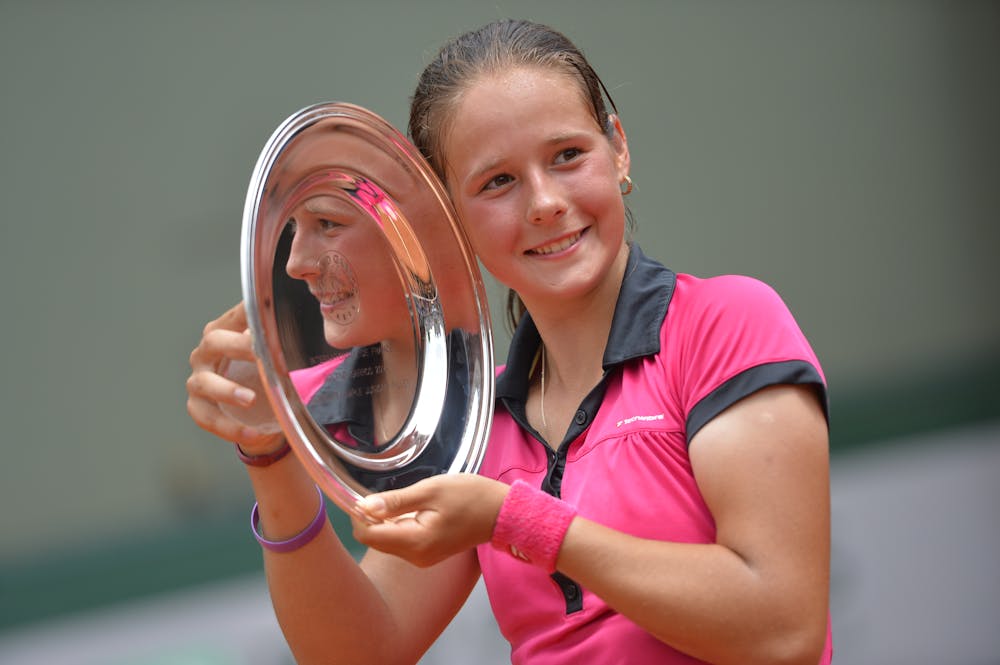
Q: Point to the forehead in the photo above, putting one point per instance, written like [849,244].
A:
[520,87]
[519,102]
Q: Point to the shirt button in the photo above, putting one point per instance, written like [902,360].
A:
[570,591]
[580,418]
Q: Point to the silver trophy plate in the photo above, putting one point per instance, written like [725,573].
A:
[366,305]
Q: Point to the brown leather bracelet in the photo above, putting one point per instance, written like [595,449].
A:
[267,459]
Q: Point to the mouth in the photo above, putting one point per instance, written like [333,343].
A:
[329,300]
[559,245]
[338,307]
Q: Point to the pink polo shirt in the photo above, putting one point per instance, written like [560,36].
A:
[681,350]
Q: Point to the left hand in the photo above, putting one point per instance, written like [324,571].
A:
[431,520]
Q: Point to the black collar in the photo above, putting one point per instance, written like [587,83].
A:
[345,397]
[635,328]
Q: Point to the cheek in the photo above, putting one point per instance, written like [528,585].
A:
[482,224]
[380,287]
[601,198]
[495,245]
[600,188]
[480,240]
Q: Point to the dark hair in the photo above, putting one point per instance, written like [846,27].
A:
[491,49]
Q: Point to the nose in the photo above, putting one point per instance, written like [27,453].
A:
[547,201]
[301,262]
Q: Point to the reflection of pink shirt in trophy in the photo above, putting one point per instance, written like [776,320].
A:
[340,396]
[308,382]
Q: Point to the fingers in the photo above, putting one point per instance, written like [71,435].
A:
[432,519]
[218,344]
[226,336]
[206,383]
[404,522]
[224,340]
[395,503]
[415,537]
[235,318]
[209,417]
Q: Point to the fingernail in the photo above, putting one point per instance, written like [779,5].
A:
[373,505]
[244,396]
[363,510]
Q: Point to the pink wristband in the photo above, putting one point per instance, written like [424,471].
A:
[296,542]
[531,525]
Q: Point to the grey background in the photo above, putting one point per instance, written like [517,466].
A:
[846,152]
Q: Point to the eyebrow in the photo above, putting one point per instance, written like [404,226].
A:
[552,141]
[327,205]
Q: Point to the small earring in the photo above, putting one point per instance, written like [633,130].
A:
[626,186]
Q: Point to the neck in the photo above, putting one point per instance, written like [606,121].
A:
[575,332]
[396,388]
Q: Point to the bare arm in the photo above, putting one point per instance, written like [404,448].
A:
[331,609]
[756,595]
[759,594]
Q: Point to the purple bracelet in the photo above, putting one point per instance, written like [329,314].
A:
[295,542]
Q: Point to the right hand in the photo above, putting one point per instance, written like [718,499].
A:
[225,338]
[432,520]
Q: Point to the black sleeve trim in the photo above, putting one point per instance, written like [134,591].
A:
[796,372]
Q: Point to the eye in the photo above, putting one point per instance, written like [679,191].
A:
[329,224]
[568,155]
[498,181]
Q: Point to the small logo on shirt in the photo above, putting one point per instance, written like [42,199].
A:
[629,421]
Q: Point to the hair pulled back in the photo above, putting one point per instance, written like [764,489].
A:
[492,49]
[495,48]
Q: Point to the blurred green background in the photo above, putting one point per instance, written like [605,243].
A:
[846,152]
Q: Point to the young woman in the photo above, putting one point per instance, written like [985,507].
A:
[656,484]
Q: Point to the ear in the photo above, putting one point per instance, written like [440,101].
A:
[619,144]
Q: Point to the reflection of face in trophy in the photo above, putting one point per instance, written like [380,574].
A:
[343,258]
[338,290]
[367,306]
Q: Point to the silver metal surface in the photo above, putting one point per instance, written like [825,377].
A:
[366,305]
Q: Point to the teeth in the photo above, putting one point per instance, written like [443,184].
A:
[558,246]
[334,298]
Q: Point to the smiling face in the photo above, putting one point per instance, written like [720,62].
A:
[344,260]
[535,181]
